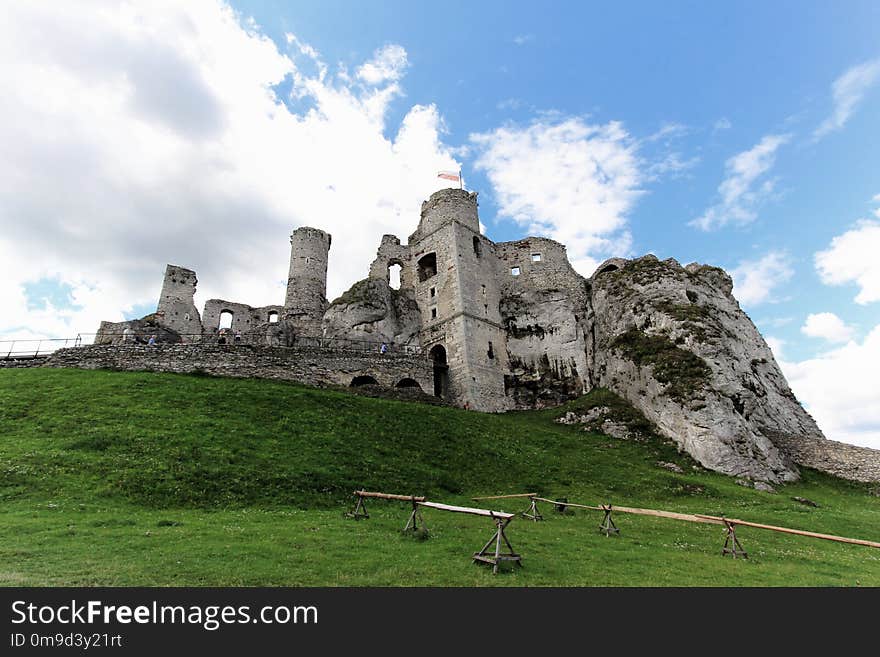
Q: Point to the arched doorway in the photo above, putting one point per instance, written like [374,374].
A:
[441,371]
[363,380]
[408,383]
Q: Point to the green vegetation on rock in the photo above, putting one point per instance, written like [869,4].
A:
[683,371]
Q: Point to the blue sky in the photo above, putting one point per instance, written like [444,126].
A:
[760,68]
[743,135]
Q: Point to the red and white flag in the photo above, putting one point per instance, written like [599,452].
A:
[450,175]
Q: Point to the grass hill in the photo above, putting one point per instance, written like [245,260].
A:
[115,478]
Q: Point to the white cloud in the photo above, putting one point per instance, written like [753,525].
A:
[523,39]
[852,258]
[740,196]
[668,132]
[509,104]
[672,165]
[565,179]
[136,135]
[827,326]
[847,92]
[754,281]
[722,124]
[388,65]
[839,388]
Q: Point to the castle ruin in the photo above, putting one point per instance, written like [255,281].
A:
[501,326]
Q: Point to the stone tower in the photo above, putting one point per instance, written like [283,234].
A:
[454,270]
[306,298]
[176,308]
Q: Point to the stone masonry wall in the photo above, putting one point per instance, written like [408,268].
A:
[311,366]
[841,459]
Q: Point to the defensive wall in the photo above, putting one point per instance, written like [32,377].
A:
[310,365]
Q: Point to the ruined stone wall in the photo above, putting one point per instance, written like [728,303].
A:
[545,312]
[176,309]
[246,319]
[391,252]
[312,366]
[840,459]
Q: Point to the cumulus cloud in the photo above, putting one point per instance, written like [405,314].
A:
[847,92]
[135,135]
[827,326]
[566,179]
[839,389]
[852,258]
[745,185]
[755,281]
[388,65]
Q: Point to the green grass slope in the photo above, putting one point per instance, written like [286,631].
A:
[114,478]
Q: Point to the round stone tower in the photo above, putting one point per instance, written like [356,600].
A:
[306,298]
[446,206]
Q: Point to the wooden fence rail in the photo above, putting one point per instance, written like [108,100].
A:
[731,544]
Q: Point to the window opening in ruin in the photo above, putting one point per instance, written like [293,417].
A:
[273,317]
[536,257]
[491,352]
[478,247]
[441,371]
[363,380]
[433,313]
[486,308]
[605,270]
[394,276]
[225,319]
[484,289]
[433,292]
[427,267]
[514,271]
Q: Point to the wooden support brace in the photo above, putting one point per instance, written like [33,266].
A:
[532,512]
[608,527]
[360,509]
[412,525]
[731,542]
[485,555]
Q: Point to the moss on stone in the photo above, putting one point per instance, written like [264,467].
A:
[682,371]
[684,312]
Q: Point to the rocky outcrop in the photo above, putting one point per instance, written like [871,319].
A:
[546,348]
[674,342]
[371,310]
[137,331]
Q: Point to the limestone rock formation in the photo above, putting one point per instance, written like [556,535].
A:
[674,342]
[371,310]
